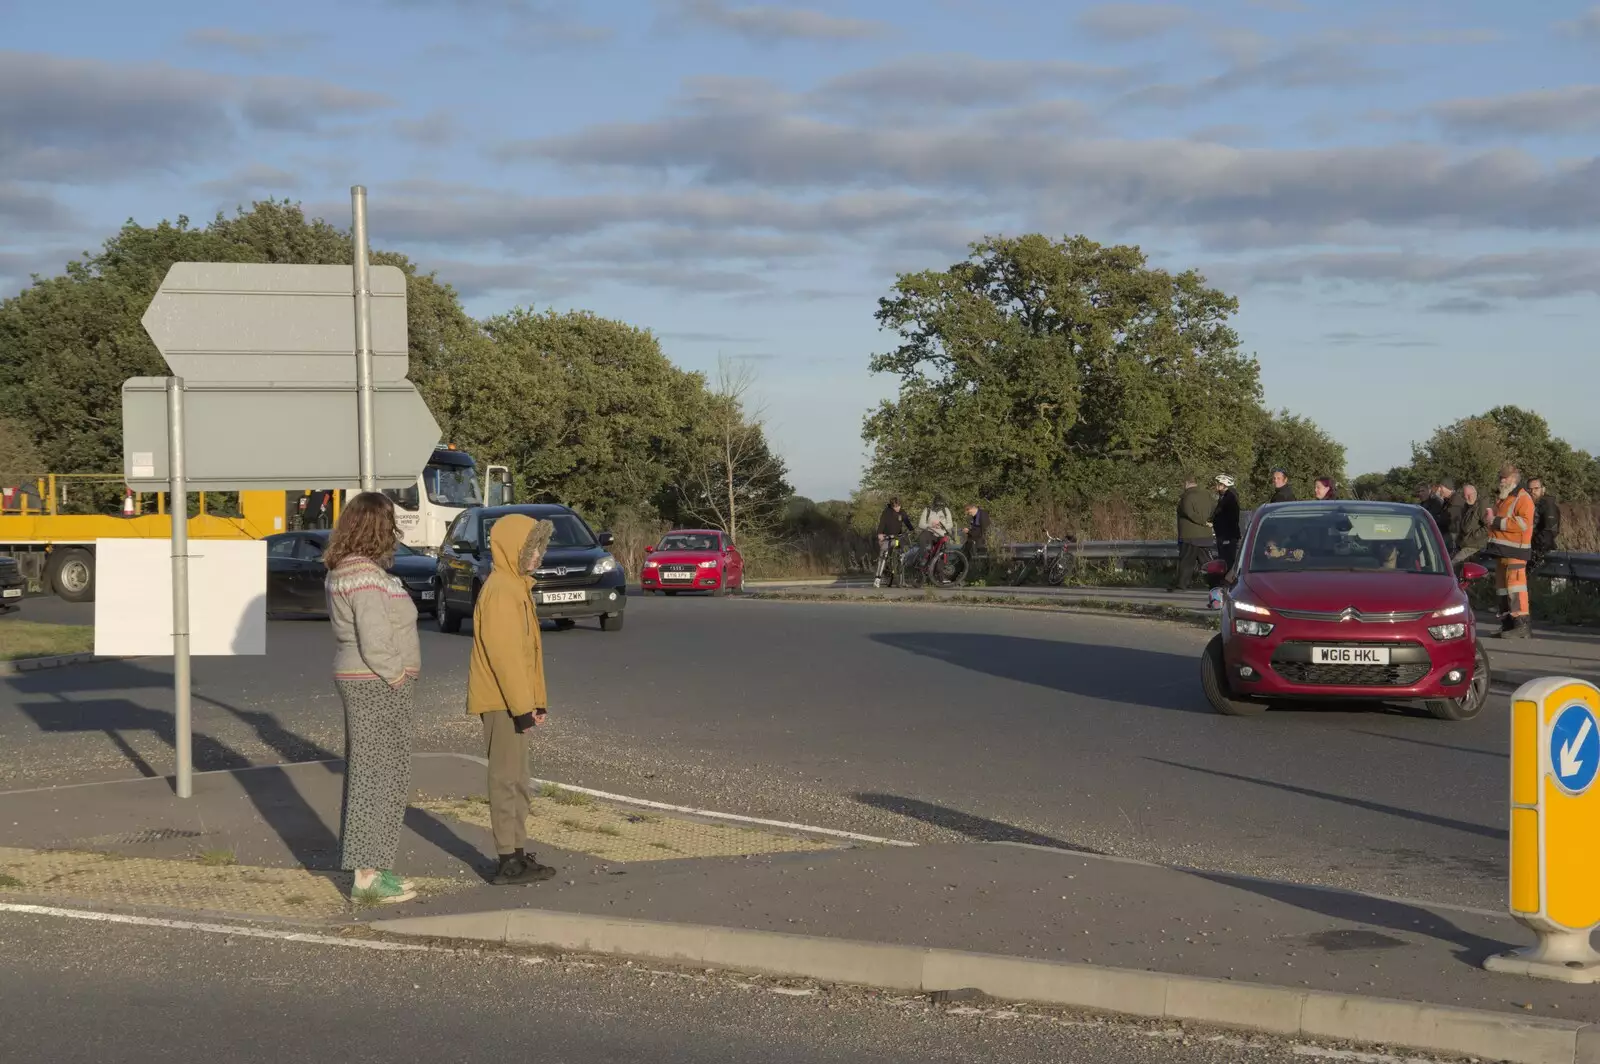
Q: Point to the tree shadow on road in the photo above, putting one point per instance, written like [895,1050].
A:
[977,828]
[1116,674]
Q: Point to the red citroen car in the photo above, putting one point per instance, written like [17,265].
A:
[693,559]
[1340,599]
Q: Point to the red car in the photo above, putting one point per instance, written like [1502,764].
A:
[1346,600]
[693,559]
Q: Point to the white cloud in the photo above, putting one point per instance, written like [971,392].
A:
[1122,22]
[1572,109]
[250,45]
[1585,27]
[770,24]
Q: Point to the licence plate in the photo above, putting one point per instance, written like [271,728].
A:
[562,596]
[11,592]
[677,576]
[1350,655]
[427,596]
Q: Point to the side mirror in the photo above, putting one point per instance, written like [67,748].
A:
[461,546]
[1216,567]
[649,550]
[606,539]
[1472,571]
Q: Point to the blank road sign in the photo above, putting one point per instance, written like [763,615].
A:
[243,437]
[266,322]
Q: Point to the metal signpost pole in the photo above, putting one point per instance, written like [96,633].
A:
[358,235]
[178,506]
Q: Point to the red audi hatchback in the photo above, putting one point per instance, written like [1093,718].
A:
[692,559]
[1346,600]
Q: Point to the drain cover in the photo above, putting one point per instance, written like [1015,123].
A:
[1351,939]
[137,838]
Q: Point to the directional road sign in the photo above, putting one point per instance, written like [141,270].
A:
[243,437]
[1574,750]
[260,322]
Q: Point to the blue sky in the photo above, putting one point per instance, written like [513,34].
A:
[1403,195]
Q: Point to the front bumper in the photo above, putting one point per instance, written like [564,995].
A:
[596,602]
[1279,665]
[700,580]
[12,593]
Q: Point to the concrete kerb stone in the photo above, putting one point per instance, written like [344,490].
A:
[21,665]
[1249,1006]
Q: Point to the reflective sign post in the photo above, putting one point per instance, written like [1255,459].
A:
[1555,824]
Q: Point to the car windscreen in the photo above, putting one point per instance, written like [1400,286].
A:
[1330,539]
[570,532]
[688,541]
[451,485]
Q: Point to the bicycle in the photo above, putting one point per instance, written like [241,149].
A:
[941,564]
[1053,570]
[889,548]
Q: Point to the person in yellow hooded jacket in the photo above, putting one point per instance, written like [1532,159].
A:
[506,687]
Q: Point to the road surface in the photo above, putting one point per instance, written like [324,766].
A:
[910,721]
[81,993]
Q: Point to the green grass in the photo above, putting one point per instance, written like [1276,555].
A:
[562,796]
[9,881]
[218,858]
[31,639]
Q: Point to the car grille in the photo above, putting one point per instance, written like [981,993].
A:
[9,569]
[576,576]
[679,568]
[1352,614]
[1408,664]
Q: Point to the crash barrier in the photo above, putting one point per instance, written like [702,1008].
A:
[1555,817]
[1558,564]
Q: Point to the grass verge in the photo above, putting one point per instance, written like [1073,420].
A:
[1010,602]
[32,639]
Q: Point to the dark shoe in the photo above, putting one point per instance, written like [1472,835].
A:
[1521,628]
[519,868]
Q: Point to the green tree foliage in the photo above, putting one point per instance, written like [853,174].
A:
[585,410]
[1473,449]
[1041,369]
[19,457]
[1297,446]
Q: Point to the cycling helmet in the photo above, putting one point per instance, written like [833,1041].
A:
[1225,480]
[939,503]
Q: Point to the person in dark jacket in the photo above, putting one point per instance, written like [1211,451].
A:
[1437,503]
[1194,532]
[1546,523]
[977,530]
[1225,520]
[1474,538]
[893,524]
[1282,491]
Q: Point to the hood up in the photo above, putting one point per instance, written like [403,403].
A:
[515,541]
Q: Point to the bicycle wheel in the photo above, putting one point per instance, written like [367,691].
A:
[1056,575]
[1020,573]
[949,569]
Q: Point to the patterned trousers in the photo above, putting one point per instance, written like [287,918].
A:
[377,772]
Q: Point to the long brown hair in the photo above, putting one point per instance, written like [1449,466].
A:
[366,530]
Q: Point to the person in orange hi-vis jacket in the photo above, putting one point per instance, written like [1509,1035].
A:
[1510,525]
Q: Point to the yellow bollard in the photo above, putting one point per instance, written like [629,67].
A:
[1555,827]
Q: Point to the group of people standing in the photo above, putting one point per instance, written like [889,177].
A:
[935,523]
[1209,519]
[377,664]
[1516,532]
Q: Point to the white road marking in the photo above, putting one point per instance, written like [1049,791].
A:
[220,929]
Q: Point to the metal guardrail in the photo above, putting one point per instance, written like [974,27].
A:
[1570,565]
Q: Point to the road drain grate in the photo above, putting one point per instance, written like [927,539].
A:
[137,838]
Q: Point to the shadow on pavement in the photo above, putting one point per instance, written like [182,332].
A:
[1113,673]
[1437,746]
[443,837]
[1470,948]
[976,828]
[1467,827]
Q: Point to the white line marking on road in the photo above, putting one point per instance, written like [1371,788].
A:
[711,814]
[219,929]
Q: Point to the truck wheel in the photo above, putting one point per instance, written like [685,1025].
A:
[1214,681]
[72,575]
[611,622]
[1470,704]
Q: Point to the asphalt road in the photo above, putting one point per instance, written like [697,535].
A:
[910,721]
[80,993]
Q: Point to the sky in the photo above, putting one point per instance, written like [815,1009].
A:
[1404,197]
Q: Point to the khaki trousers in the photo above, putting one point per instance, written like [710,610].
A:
[507,752]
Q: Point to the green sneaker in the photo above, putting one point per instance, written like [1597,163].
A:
[387,889]
[392,878]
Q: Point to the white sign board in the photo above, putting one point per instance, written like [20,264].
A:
[133,597]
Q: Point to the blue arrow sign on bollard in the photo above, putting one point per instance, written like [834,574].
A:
[1574,749]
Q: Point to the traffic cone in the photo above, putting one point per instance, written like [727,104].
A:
[127,504]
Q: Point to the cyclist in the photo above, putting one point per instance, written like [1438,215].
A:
[936,524]
[893,523]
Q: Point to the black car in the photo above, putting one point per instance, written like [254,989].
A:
[577,578]
[295,573]
[12,585]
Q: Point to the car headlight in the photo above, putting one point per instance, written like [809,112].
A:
[1246,606]
[652,565]
[711,563]
[1244,627]
[1446,632]
[604,565]
[1451,611]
